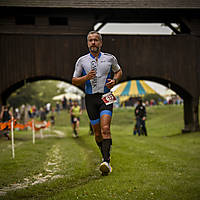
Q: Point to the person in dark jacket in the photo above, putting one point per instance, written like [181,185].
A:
[5,116]
[43,116]
[140,114]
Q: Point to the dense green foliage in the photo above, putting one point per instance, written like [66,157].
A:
[37,93]
[165,165]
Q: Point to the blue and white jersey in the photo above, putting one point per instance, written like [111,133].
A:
[104,65]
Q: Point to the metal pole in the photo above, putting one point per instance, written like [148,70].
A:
[33,130]
[12,136]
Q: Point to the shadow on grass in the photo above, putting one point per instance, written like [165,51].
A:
[174,135]
[182,134]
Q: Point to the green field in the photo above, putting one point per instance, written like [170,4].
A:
[163,166]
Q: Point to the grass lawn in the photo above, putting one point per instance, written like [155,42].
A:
[163,166]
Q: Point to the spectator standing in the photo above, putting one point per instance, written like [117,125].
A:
[140,114]
[43,116]
[52,117]
[57,107]
[5,116]
[64,103]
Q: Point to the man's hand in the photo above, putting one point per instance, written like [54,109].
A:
[81,80]
[91,75]
[110,83]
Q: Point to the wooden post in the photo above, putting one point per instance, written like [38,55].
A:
[191,117]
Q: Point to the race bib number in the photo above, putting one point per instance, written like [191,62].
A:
[108,98]
[75,119]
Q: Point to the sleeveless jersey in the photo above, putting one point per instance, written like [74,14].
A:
[76,111]
[104,66]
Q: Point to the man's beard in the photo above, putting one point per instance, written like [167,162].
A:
[94,49]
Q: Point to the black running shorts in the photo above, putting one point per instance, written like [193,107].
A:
[96,107]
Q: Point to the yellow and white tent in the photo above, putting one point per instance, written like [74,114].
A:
[133,88]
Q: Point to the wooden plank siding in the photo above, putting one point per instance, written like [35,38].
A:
[162,58]
[103,3]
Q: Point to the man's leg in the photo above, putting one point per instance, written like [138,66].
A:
[74,126]
[6,134]
[97,109]
[106,135]
[144,127]
[138,126]
[91,131]
[74,129]
[98,136]
[135,130]
[105,167]
[77,127]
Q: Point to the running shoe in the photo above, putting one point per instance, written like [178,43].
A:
[105,168]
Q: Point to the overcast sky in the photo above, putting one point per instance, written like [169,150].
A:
[139,29]
[130,28]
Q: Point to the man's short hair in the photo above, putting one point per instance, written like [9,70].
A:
[140,101]
[94,32]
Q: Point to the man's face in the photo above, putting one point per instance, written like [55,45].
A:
[94,43]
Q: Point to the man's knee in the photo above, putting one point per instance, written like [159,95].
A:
[105,130]
[97,133]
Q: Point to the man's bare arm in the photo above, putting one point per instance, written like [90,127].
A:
[118,76]
[115,80]
[81,80]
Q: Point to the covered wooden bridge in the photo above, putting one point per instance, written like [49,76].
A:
[42,40]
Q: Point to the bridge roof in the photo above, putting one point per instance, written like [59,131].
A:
[105,4]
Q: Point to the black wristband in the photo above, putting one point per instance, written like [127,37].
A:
[116,80]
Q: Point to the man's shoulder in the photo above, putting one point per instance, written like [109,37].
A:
[83,58]
[108,55]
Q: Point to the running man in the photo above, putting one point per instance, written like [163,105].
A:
[94,70]
[75,113]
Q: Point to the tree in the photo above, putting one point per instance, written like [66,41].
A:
[36,93]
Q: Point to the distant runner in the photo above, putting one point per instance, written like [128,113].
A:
[75,113]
